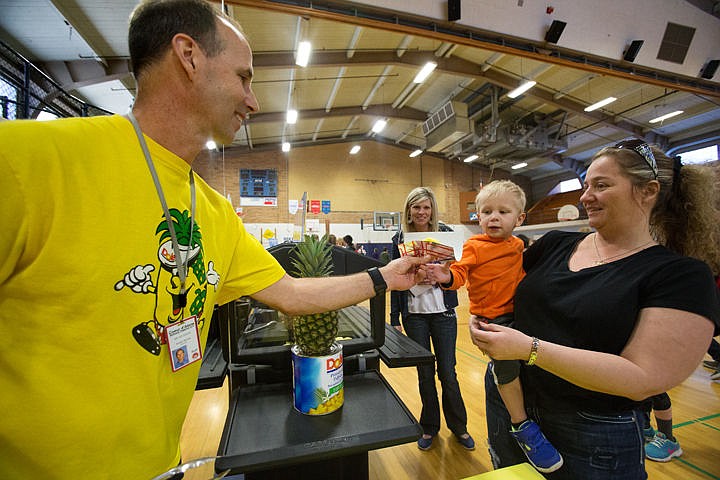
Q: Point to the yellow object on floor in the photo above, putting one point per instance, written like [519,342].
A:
[523,471]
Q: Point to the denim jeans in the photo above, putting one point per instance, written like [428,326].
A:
[441,328]
[593,446]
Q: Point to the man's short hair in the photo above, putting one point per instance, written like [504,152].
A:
[154,23]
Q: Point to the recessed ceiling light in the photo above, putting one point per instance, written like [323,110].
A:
[354,149]
[292,116]
[519,165]
[211,145]
[415,153]
[286,146]
[470,158]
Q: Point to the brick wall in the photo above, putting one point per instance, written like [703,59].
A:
[378,178]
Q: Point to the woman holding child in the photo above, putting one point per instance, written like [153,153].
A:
[607,319]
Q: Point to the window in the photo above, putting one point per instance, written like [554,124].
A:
[8,100]
[566,186]
[702,155]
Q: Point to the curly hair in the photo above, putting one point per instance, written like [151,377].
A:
[686,215]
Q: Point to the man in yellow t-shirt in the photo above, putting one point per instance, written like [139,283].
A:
[100,282]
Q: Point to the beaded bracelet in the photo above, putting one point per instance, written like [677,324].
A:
[533,351]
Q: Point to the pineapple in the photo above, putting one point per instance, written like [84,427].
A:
[315,333]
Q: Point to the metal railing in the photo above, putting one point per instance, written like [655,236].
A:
[25,91]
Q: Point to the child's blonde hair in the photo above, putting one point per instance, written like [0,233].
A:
[498,187]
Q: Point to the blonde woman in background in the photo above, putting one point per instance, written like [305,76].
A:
[428,316]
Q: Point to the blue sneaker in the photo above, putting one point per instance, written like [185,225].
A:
[662,449]
[467,442]
[538,450]
[649,434]
[424,443]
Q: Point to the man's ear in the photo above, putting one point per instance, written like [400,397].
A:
[186,50]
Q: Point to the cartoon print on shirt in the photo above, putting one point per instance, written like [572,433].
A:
[168,307]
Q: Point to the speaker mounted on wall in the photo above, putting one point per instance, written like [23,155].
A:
[453,10]
[709,70]
[632,50]
[554,32]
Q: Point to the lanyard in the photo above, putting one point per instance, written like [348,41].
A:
[180,263]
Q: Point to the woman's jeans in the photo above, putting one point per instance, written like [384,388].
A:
[593,446]
[442,329]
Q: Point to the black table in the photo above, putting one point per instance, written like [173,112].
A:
[264,437]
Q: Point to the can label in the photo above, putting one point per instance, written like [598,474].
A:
[318,381]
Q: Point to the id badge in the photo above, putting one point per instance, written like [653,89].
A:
[183,342]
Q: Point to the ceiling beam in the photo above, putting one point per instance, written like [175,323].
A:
[453,66]
[384,110]
[406,23]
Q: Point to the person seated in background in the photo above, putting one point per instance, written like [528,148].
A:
[349,242]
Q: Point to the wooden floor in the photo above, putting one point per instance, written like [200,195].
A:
[696,412]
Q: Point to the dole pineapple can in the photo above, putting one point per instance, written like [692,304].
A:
[318,381]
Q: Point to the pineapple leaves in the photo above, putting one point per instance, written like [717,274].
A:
[315,333]
[181,222]
[312,257]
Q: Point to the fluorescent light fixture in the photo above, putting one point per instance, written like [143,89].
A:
[379,126]
[303,54]
[519,165]
[354,149]
[292,116]
[522,89]
[470,158]
[286,146]
[211,145]
[666,116]
[600,104]
[425,72]
[415,153]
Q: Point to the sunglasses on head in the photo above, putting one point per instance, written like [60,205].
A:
[643,149]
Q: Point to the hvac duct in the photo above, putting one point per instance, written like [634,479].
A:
[449,125]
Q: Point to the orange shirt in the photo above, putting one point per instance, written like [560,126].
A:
[490,269]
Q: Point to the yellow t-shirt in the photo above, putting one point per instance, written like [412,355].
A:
[85,259]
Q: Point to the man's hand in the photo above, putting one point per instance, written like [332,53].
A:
[402,273]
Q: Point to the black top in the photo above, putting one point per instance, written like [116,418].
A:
[597,308]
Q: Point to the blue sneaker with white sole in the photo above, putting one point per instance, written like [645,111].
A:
[538,450]
[662,449]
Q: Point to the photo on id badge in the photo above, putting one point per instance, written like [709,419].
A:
[183,343]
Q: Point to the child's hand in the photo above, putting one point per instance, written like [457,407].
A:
[438,272]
